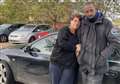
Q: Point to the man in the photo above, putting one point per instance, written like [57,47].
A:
[97,44]
[63,62]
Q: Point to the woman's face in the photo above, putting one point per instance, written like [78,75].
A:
[75,23]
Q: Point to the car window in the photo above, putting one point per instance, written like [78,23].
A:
[45,45]
[115,31]
[26,28]
[13,27]
[115,55]
[41,28]
[37,29]
[44,27]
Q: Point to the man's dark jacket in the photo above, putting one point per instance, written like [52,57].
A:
[97,44]
[63,53]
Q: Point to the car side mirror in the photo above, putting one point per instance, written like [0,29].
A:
[27,49]
[33,52]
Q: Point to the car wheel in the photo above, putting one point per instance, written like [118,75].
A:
[31,39]
[6,76]
[3,38]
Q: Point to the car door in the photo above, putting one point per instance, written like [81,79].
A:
[34,66]
[113,75]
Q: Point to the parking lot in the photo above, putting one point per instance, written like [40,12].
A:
[9,45]
[5,45]
[30,40]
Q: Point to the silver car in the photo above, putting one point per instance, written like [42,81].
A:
[27,33]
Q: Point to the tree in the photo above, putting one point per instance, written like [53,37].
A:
[49,11]
[109,8]
[32,11]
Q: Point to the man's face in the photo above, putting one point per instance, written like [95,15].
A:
[89,10]
[75,23]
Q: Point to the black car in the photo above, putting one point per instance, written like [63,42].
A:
[6,29]
[29,64]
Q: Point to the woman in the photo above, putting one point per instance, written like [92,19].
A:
[63,62]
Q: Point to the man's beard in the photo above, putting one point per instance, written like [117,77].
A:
[92,18]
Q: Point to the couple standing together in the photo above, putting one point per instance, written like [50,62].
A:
[86,45]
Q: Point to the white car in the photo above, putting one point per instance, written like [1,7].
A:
[27,33]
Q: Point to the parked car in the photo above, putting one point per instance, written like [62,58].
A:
[29,65]
[6,29]
[27,33]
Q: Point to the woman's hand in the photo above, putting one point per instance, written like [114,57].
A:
[78,48]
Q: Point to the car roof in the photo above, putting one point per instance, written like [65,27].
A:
[42,24]
[6,25]
[31,24]
[34,25]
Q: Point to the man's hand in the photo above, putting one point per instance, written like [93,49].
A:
[78,48]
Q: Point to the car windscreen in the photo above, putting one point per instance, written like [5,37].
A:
[27,28]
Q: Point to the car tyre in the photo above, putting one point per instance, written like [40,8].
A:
[3,38]
[6,76]
[31,39]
